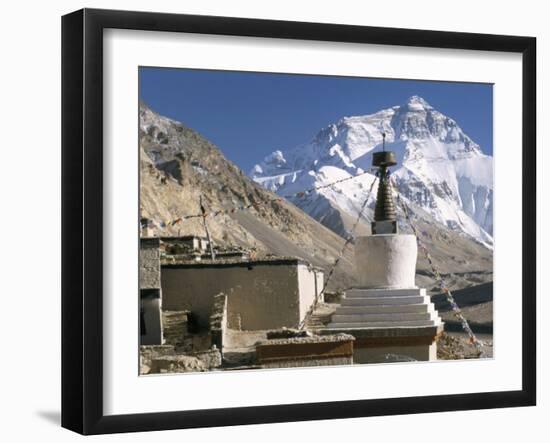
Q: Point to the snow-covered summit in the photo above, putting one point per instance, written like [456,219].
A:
[442,170]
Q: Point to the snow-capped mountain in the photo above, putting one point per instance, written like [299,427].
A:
[442,173]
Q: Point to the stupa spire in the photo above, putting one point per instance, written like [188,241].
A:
[385,216]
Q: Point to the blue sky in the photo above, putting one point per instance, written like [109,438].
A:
[249,115]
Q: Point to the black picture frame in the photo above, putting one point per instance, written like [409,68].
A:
[82,218]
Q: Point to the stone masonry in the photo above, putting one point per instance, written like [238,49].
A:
[149,263]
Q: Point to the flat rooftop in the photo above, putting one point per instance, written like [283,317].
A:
[171,262]
[332,338]
[182,238]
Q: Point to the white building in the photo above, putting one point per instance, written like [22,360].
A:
[264,293]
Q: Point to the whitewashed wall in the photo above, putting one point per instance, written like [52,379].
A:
[265,296]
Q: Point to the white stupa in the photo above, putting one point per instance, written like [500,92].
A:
[391,318]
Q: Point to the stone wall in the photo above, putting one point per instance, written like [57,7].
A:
[263,294]
[218,321]
[177,333]
[149,263]
[148,353]
[175,327]
[310,350]
[166,360]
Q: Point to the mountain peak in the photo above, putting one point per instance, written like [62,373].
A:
[442,170]
[418,101]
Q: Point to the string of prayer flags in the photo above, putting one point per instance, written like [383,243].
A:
[340,256]
[457,312]
[278,199]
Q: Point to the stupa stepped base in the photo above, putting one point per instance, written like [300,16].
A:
[388,324]
[377,293]
[375,308]
[385,297]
